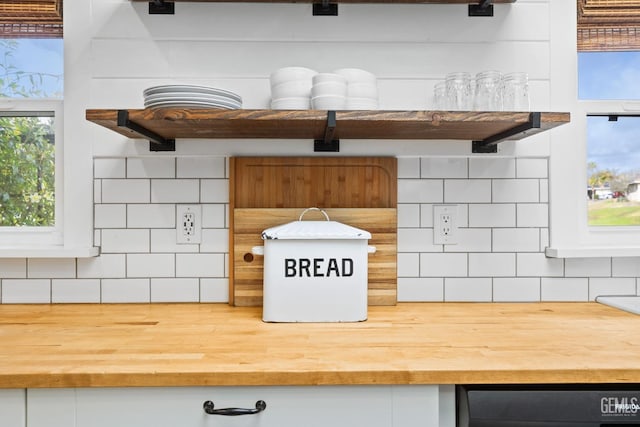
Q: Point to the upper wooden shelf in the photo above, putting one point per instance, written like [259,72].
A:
[330,7]
[486,129]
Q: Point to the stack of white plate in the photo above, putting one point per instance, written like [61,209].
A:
[190,96]
[329,92]
[291,88]
[362,89]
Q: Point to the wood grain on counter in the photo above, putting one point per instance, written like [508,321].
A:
[216,344]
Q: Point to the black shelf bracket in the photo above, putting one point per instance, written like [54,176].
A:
[328,144]
[490,144]
[156,142]
[161,7]
[483,8]
[325,8]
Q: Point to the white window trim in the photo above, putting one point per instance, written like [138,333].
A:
[570,235]
[43,242]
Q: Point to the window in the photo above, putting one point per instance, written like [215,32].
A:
[31,87]
[603,29]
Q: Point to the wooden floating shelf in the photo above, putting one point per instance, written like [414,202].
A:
[486,129]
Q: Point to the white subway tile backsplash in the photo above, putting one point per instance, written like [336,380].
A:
[467,190]
[471,240]
[533,215]
[151,216]
[105,265]
[492,215]
[408,215]
[484,167]
[175,191]
[442,167]
[468,289]
[544,191]
[538,265]
[215,240]
[175,290]
[26,291]
[97,191]
[625,267]
[109,168]
[492,264]
[408,167]
[516,240]
[408,265]
[115,240]
[151,167]
[426,215]
[201,167]
[587,267]
[126,290]
[515,190]
[214,290]
[200,265]
[214,190]
[611,286]
[419,289]
[420,191]
[13,268]
[164,240]
[214,216]
[516,289]
[110,216]
[532,168]
[443,265]
[75,291]
[564,289]
[125,191]
[45,268]
[151,265]
[417,240]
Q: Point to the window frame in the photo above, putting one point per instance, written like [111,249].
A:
[46,236]
[570,235]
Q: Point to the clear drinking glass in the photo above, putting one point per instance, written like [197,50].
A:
[458,88]
[440,96]
[515,92]
[488,93]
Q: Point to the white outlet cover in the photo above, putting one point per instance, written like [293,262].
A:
[445,224]
[188,224]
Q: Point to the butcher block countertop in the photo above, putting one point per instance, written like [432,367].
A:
[84,345]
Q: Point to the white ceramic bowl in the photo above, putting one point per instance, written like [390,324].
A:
[328,77]
[292,89]
[294,103]
[362,90]
[329,102]
[354,75]
[291,73]
[329,88]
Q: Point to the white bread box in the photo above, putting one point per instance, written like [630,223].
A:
[315,271]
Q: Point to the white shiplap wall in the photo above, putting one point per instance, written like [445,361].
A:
[114,50]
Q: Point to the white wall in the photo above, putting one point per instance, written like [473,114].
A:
[115,50]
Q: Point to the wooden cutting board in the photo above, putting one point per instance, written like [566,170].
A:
[264,192]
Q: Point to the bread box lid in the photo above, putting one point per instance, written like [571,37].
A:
[314,230]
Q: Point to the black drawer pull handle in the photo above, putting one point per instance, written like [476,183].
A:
[208,407]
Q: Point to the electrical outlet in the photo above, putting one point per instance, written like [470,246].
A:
[445,226]
[188,224]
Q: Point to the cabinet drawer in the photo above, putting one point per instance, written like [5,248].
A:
[316,406]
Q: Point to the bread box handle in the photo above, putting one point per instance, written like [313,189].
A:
[314,209]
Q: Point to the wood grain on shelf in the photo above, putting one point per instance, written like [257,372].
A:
[310,124]
[268,191]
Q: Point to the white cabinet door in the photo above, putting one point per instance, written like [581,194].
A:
[317,406]
[13,407]
[51,407]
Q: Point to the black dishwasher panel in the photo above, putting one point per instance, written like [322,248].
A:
[603,405]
